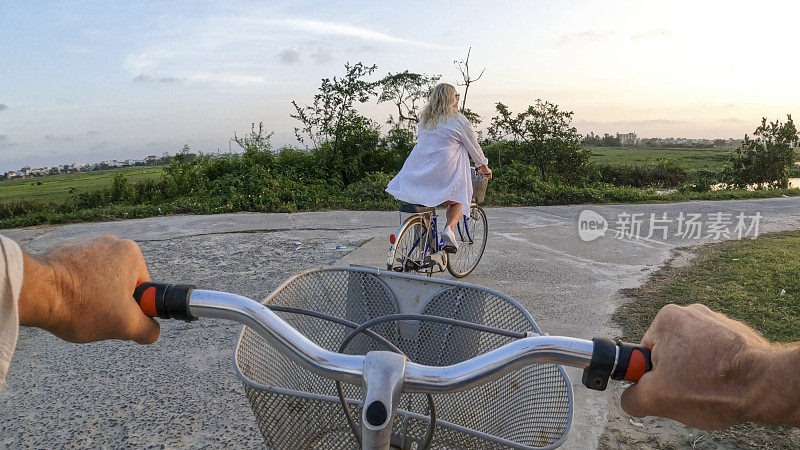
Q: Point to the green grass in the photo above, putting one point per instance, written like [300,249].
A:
[61,187]
[692,159]
[744,280]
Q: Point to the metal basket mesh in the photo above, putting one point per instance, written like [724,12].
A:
[479,185]
[528,408]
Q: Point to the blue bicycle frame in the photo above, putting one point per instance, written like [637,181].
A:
[438,240]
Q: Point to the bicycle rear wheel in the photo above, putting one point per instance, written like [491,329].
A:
[471,234]
[409,250]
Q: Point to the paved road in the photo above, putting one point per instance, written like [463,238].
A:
[182,392]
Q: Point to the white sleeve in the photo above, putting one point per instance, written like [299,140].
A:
[470,142]
[10,286]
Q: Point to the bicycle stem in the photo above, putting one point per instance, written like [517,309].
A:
[601,359]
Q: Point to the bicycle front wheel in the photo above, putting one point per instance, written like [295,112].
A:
[471,234]
[409,250]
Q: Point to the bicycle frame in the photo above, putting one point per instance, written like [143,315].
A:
[432,234]
[464,218]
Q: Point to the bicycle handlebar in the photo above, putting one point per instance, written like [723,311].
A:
[601,359]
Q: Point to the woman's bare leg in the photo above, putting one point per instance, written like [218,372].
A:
[453,215]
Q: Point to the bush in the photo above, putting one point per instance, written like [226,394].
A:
[764,161]
[703,181]
[18,208]
[665,173]
[369,193]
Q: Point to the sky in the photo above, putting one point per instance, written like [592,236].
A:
[95,80]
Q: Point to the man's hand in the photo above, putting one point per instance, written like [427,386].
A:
[485,171]
[712,372]
[83,292]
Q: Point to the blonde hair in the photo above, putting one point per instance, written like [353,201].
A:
[440,106]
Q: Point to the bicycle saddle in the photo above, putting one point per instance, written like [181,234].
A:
[416,209]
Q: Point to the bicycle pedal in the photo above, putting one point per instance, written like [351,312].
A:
[412,265]
[438,259]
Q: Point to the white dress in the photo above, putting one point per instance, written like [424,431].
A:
[437,170]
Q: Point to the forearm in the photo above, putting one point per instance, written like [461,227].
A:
[775,394]
[479,159]
[41,293]
[470,142]
[476,153]
[83,292]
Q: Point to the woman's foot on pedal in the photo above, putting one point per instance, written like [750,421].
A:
[450,244]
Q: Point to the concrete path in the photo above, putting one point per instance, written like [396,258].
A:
[182,392]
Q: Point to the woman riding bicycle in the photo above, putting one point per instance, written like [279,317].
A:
[437,170]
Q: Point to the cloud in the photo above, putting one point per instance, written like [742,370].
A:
[100,145]
[5,143]
[228,78]
[733,120]
[583,35]
[142,78]
[729,105]
[319,27]
[235,79]
[52,138]
[138,63]
[321,56]
[240,49]
[652,34]
[3,107]
[631,123]
[289,56]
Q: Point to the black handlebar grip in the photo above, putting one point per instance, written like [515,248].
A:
[596,375]
[633,362]
[166,301]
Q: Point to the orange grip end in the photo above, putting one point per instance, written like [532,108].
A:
[636,367]
[148,302]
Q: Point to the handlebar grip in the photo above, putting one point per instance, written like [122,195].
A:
[617,360]
[633,362]
[166,301]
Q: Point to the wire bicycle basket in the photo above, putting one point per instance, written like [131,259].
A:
[528,408]
[479,184]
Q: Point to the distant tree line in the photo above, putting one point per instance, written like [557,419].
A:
[348,158]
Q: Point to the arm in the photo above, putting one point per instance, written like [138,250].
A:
[83,292]
[10,285]
[470,142]
[712,372]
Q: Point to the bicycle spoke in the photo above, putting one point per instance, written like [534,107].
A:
[472,234]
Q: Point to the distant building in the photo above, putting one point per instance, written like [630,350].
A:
[627,138]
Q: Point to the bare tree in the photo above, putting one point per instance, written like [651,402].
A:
[463,67]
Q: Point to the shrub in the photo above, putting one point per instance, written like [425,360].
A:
[765,160]
[665,173]
[369,193]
